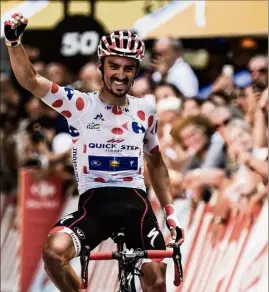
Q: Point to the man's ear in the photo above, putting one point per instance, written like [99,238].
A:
[100,65]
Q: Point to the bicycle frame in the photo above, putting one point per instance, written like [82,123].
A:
[127,260]
[125,273]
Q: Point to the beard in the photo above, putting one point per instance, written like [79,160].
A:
[119,92]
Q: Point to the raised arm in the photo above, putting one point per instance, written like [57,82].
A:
[21,65]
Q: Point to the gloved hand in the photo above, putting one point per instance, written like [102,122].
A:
[177,233]
[14,28]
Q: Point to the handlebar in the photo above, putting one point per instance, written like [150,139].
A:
[150,254]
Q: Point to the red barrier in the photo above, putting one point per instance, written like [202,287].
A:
[222,266]
[40,204]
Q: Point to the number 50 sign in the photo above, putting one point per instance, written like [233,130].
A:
[74,43]
[75,39]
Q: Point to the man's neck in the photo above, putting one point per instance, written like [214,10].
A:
[109,98]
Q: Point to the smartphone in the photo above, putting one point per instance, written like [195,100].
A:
[228,70]
[154,55]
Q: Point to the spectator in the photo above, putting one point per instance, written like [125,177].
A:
[243,150]
[260,124]
[207,108]
[195,134]
[164,90]
[168,65]
[58,73]
[258,68]
[219,97]
[40,67]
[259,74]
[141,87]
[191,107]
[220,118]
[90,77]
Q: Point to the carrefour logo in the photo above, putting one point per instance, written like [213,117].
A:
[43,189]
[138,128]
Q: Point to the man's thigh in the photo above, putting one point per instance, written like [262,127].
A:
[84,230]
[143,231]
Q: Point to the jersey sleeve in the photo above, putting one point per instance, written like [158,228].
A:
[67,101]
[151,142]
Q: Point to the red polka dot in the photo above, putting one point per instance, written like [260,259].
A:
[116,110]
[85,170]
[99,179]
[74,140]
[141,115]
[58,103]
[154,150]
[140,170]
[117,131]
[150,120]
[125,126]
[128,178]
[67,114]
[80,104]
[54,88]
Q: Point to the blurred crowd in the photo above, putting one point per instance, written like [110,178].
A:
[215,148]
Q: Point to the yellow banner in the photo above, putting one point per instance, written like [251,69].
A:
[207,18]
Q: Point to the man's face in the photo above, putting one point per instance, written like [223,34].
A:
[220,118]
[258,69]
[163,49]
[119,73]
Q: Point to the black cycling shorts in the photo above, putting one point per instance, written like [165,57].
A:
[103,211]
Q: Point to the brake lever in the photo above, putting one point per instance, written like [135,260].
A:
[178,277]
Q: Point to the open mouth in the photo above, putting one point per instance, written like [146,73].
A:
[119,83]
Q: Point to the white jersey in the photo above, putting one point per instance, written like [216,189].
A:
[108,141]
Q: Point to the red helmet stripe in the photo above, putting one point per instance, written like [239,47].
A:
[113,41]
[121,39]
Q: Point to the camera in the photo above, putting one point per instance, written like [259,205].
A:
[258,87]
[35,133]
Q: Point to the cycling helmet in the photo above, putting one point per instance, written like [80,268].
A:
[121,43]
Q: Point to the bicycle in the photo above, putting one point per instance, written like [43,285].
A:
[127,261]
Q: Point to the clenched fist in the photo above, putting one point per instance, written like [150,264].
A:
[14,28]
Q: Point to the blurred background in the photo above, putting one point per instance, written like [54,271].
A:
[206,69]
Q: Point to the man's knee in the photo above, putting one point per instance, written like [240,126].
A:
[158,286]
[58,250]
[154,277]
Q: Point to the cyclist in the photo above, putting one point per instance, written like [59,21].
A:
[111,131]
